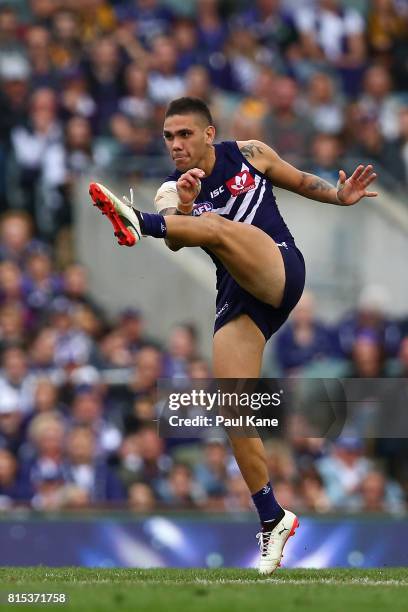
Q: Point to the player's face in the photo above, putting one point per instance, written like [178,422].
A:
[187,139]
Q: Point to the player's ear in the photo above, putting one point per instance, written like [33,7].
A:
[210,134]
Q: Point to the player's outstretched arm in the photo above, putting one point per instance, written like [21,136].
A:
[348,191]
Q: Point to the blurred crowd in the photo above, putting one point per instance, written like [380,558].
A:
[84,85]
[79,403]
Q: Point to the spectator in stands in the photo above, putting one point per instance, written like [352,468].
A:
[11,284]
[286,493]
[326,157]
[237,498]
[114,351]
[10,39]
[45,398]
[343,471]
[198,85]
[87,411]
[11,421]
[324,105]
[280,461]
[199,368]
[75,97]
[378,494]
[370,320]
[43,452]
[367,357]
[66,47]
[211,473]
[386,28]
[47,482]
[333,34]
[273,26]
[155,463]
[149,367]
[148,18]
[182,347]
[136,103]
[254,108]
[185,37]
[304,339]
[88,471]
[141,498]
[12,325]
[11,490]
[80,156]
[41,283]
[212,29]
[313,494]
[42,354]
[97,19]
[285,130]
[180,489]
[15,375]
[75,287]
[130,469]
[43,72]
[105,77]
[165,83]
[16,229]
[39,152]
[43,10]
[378,101]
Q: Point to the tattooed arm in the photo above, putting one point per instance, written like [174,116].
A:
[282,174]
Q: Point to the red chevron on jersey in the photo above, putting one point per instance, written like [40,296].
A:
[241,183]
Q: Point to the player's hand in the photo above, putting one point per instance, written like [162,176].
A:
[352,190]
[189,185]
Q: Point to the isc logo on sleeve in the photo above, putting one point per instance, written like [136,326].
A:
[241,183]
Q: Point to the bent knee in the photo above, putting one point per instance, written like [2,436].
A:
[217,228]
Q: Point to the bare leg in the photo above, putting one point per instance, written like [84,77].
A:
[242,338]
[251,257]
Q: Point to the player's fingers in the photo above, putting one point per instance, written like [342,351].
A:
[370,194]
[342,176]
[366,173]
[184,184]
[193,177]
[357,172]
[189,180]
[197,172]
[370,179]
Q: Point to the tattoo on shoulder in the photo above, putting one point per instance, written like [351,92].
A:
[250,150]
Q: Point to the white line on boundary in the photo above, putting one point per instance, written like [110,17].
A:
[276,581]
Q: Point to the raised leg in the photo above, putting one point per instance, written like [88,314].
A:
[251,257]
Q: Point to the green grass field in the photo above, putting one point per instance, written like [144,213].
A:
[197,590]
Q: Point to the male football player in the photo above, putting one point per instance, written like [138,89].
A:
[220,197]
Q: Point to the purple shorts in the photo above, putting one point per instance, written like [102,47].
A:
[232,300]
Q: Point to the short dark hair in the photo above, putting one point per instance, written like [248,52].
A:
[187,106]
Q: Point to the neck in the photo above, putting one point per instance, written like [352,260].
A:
[207,163]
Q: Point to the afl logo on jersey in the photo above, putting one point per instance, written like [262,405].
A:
[241,183]
[201,208]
